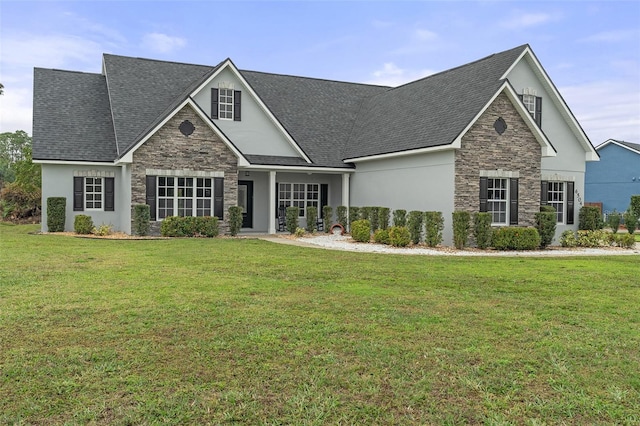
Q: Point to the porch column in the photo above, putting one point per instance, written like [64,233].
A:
[345,190]
[272,202]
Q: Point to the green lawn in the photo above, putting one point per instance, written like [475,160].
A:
[240,331]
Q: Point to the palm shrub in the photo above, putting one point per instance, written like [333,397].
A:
[235,220]
[613,220]
[399,236]
[461,221]
[589,218]
[383,217]
[546,224]
[83,224]
[56,213]
[399,217]
[414,224]
[482,229]
[291,218]
[341,213]
[312,218]
[630,220]
[433,227]
[327,216]
[361,230]
[354,214]
[141,219]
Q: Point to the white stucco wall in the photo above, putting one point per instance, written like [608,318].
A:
[422,182]
[256,133]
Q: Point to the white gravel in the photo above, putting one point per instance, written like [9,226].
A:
[344,242]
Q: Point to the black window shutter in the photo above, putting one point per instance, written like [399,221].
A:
[218,197]
[277,199]
[513,201]
[570,202]
[544,193]
[151,196]
[109,194]
[324,197]
[78,194]
[538,117]
[214,103]
[484,193]
[236,105]
[521,97]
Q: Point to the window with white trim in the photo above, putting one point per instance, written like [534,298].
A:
[556,198]
[497,193]
[176,196]
[93,187]
[298,195]
[225,104]
[529,102]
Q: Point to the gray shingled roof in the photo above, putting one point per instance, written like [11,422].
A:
[630,145]
[428,112]
[71,117]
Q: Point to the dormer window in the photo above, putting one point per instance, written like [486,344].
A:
[225,102]
[533,104]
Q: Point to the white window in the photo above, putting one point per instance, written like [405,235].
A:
[93,187]
[204,194]
[556,198]
[298,195]
[497,192]
[530,103]
[225,104]
[184,196]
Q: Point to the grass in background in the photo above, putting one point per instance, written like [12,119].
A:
[210,331]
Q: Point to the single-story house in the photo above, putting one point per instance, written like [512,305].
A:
[615,178]
[493,135]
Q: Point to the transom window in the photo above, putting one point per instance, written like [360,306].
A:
[299,195]
[225,104]
[184,196]
[556,198]
[497,200]
[93,193]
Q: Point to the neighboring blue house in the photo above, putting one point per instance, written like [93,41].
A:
[616,177]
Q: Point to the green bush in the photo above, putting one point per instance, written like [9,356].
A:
[623,240]
[400,217]
[361,230]
[546,224]
[515,238]
[414,224]
[383,217]
[235,220]
[341,213]
[102,230]
[373,217]
[189,226]
[291,218]
[83,224]
[312,219]
[433,227]
[630,220]
[482,229]
[56,213]
[365,213]
[595,238]
[299,232]
[207,226]
[354,214]
[170,227]
[141,219]
[635,205]
[613,221]
[381,236]
[589,218]
[327,217]
[18,202]
[460,228]
[568,239]
[399,236]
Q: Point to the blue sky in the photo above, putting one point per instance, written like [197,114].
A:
[590,49]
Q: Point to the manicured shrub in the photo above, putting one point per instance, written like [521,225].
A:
[373,217]
[341,213]
[299,232]
[235,220]
[595,238]
[312,219]
[635,205]
[291,218]
[361,230]
[56,213]
[365,213]
[546,224]
[589,218]
[515,238]
[189,226]
[83,224]
[354,214]
[414,224]
[327,217]
[400,217]
[102,230]
[207,226]
[568,239]
[383,217]
[381,236]
[399,236]
[170,227]
[461,225]
[141,219]
[613,221]
[433,227]
[623,240]
[630,220]
[482,229]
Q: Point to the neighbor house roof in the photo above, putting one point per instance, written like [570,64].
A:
[628,145]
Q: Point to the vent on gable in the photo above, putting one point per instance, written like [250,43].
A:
[529,91]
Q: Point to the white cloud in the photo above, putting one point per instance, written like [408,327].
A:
[392,75]
[50,51]
[425,35]
[162,43]
[420,40]
[15,110]
[615,36]
[520,20]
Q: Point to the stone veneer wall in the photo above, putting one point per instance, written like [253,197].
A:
[516,150]
[169,149]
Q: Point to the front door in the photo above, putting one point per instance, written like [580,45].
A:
[245,200]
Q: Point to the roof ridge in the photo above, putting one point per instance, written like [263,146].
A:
[68,71]
[160,60]
[328,80]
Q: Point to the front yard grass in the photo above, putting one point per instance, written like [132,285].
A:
[239,331]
